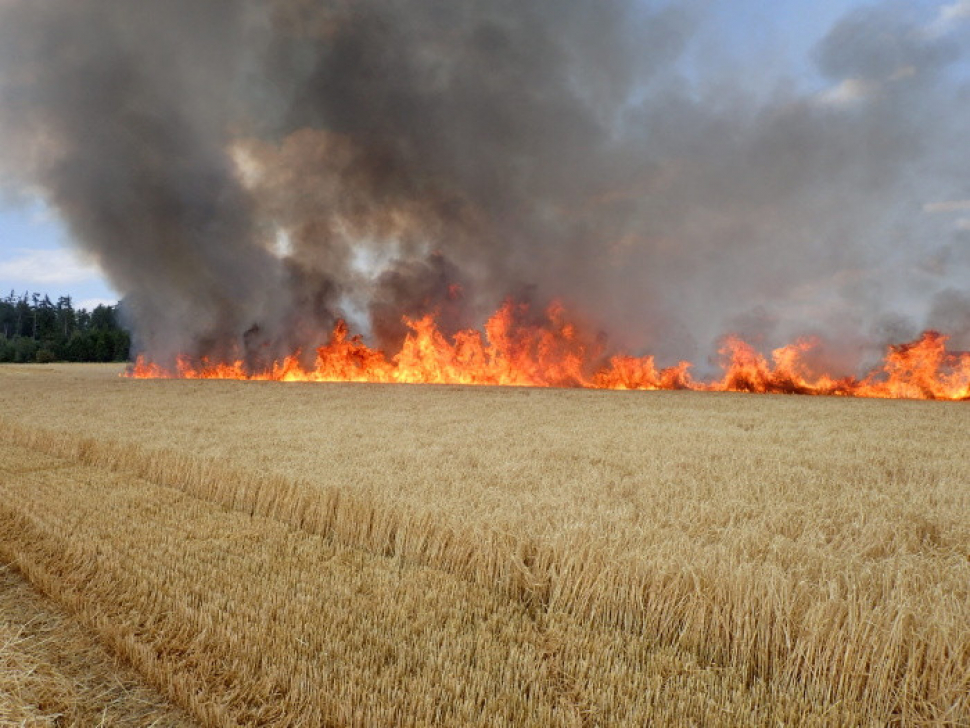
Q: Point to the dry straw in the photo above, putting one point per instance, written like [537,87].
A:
[813,551]
[53,674]
[244,621]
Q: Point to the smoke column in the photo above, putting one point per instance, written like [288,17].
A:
[245,172]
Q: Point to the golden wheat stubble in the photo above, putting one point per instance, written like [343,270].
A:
[778,535]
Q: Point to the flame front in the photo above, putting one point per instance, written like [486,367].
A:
[554,354]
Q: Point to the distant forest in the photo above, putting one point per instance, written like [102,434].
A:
[35,329]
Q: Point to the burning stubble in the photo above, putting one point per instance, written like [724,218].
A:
[588,152]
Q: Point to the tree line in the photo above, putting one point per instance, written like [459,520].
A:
[35,329]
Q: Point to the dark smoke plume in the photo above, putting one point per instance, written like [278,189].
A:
[245,172]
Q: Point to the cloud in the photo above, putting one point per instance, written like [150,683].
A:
[955,11]
[89,304]
[946,206]
[848,91]
[47,266]
[949,16]
[963,224]
[852,90]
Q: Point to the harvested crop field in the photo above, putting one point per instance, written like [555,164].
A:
[53,673]
[274,554]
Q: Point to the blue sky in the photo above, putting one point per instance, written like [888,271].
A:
[763,41]
[37,255]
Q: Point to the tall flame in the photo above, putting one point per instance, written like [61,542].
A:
[554,354]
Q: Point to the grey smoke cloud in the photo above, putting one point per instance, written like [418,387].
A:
[535,148]
[121,111]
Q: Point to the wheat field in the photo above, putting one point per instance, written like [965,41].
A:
[375,555]
[52,673]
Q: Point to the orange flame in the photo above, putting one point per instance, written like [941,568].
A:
[555,354]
